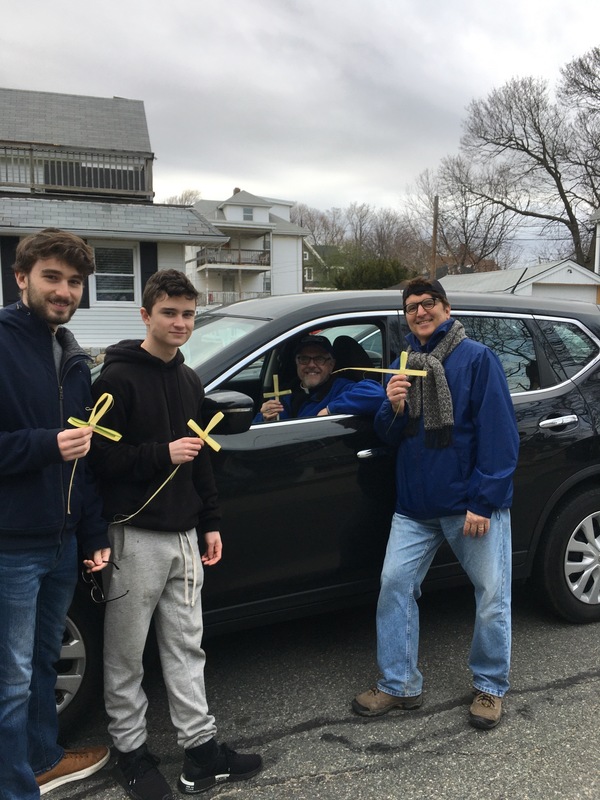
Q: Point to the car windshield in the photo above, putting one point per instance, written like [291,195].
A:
[212,333]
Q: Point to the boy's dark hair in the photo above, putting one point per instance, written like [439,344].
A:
[169,282]
[54,243]
[423,285]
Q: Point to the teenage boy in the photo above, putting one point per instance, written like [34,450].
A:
[156,551]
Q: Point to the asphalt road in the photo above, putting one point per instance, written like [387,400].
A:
[285,692]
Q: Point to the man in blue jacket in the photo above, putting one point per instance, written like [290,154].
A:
[458,444]
[317,391]
[44,379]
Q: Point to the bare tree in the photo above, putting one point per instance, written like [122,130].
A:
[336,227]
[529,151]
[387,234]
[473,232]
[580,84]
[187,198]
[359,220]
[326,228]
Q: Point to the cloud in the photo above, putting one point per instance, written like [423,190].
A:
[324,101]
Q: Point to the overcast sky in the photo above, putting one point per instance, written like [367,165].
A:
[321,101]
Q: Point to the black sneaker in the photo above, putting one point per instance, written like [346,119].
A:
[138,774]
[211,763]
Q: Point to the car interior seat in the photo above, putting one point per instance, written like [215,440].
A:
[349,353]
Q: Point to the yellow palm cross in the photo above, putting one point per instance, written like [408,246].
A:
[103,404]
[400,371]
[277,392]
[204,434]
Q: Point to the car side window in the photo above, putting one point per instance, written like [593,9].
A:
[513,343]
[572,348]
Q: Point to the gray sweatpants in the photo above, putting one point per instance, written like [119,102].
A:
[162,575]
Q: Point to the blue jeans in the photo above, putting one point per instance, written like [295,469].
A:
[36,588]
[486,560]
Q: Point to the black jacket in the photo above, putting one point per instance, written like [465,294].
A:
[34,408]
[153,401]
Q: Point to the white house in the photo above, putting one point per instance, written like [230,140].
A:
[85,164]
[264,254]
[564,280]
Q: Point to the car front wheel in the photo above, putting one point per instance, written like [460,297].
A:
[79,671]
[569,562]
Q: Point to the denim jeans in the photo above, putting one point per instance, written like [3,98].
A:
[36,588]
[486,560]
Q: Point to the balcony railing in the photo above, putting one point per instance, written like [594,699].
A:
[224,298]
[243,257]
[50,168]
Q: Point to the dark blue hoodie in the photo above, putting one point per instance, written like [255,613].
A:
[34,407]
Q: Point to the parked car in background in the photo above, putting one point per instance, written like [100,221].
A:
[307,502]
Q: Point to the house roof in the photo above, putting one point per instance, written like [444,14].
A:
[213,211]
[138,221]
[243,198]
[506,280]
[103,123]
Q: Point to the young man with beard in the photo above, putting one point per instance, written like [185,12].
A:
[156,547]
[44,379]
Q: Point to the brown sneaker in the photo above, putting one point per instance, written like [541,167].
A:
[485,711]
[73,766]
[374,703]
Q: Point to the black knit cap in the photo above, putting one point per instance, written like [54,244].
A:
[316,341]
[420,286]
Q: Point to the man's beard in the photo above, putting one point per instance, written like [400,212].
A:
[38,304]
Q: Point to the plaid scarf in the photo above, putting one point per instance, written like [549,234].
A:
[430,396]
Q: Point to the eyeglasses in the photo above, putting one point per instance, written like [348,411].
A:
[96,592]
[411,308]
[318,360]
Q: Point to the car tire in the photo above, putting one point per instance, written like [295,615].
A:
[79,671]
[568,565]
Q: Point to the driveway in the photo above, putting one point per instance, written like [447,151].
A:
[285,691]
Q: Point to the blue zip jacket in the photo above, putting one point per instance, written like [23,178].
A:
[338,395]
[475,472]
[34,407]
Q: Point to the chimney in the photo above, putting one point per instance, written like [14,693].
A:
[236,190]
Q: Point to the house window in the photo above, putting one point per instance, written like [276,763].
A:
[114,278]
[308,273]
[248,214]
[305,254]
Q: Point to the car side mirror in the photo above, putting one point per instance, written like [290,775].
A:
[238,409]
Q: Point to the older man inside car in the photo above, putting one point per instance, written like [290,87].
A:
[317,391]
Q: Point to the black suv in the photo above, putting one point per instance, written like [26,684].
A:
[301,498]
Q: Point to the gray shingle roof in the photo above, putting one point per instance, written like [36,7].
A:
[105,123]
[244,198]
[142,222]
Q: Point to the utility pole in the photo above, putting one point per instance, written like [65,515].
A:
[432,265]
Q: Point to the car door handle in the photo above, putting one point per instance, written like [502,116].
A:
[373,452]
[559,422]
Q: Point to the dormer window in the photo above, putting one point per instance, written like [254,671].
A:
[248,214]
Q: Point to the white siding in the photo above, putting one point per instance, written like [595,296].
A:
[286,270]
[98,327]
[568,291]
[171,256]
